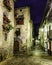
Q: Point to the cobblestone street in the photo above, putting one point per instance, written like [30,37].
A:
[28,60]
[36,57]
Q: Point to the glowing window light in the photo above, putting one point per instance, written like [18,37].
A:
[42,29]
[37,53]
[28,29]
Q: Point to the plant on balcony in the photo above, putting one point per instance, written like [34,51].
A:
[6,26]
[7,4]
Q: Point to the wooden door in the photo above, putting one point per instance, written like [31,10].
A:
[16,47]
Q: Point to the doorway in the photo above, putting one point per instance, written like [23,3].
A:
[16,41]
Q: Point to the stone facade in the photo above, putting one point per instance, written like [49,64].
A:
[25,27]
[6,45]
[8,28]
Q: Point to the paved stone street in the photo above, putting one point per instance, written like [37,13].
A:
[36,57]
[28,60]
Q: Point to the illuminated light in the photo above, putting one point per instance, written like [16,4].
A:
[45,29]
[45,38]
[37,53]
[51,27]
[42,29]
[28,29]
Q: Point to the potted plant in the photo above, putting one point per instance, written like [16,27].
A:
[7,4]
[6,26]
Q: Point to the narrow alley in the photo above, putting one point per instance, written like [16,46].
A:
[25,32]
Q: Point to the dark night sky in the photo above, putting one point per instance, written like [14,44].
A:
[37,8]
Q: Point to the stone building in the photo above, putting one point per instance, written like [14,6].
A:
[45,31]
[6,27]
[14,29]
[23,26]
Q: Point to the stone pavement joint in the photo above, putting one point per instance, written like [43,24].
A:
[31,60]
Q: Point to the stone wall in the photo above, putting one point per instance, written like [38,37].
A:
[7,45]
[26,28]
